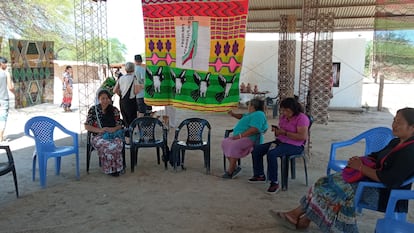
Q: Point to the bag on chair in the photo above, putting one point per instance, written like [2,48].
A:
[117,134]
[351,175]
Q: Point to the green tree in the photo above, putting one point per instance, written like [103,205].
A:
[47,20]
[116,51]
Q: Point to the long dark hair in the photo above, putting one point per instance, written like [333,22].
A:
[106,92]
[258,104]
[408,114]
[292,104]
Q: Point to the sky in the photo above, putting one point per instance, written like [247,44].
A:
[125,22]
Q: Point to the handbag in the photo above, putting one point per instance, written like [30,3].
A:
[351,175]
[117,134]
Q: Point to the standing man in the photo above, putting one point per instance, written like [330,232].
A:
[67,89]
[143,109]
[6,85]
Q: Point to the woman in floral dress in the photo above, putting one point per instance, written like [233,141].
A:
[104,117]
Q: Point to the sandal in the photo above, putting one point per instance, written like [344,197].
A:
[302,222]
[283,219]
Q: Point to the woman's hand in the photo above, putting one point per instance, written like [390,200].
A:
[236,137]
[355,162]
[279,132]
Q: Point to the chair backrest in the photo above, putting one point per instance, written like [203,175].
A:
[41,129]
[147,130]
[375,138]
[307,142]
[195,130]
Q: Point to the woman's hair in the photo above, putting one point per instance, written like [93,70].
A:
[292,104]
[3,60]
[408,114]
[68,67]
[104,91]
[257,104]
[129,67]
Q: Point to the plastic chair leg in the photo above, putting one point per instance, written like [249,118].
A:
[57,165]
[284,164]
[42,171]
[293,168]
[158,155]
[15,181]
[34,166]
[306,171]
[77,167]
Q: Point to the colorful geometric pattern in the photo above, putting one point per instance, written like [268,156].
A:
[194,52]
[32,71]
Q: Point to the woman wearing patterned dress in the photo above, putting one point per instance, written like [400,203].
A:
[67,89]
[104,117]
[329,203]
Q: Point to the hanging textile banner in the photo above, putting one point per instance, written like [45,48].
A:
[194,52]
[32,72]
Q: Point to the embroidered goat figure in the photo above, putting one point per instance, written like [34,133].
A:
[179,82]
[226,85]
[156,81]
[203,85]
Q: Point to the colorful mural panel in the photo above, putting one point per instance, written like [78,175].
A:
[32,71]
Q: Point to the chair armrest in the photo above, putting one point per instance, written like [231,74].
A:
[73,134]
[227,133]
[395,196]
[337,145]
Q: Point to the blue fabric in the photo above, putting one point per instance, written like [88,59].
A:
[255,119]
[260,150]
[117,134]
[140,75]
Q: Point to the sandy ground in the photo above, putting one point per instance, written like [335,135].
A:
[156,200]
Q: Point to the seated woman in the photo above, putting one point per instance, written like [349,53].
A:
[249,126]
[104,117]
[329,203]
[291,137]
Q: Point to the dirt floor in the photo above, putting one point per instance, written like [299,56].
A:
[156,200]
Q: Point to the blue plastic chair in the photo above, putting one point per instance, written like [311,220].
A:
[375,139]
[41,129]
[359,204]
[390,223]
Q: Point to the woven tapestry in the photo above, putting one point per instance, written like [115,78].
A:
[194,51]
[32,72]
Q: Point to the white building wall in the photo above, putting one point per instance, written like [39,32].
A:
[260,67]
